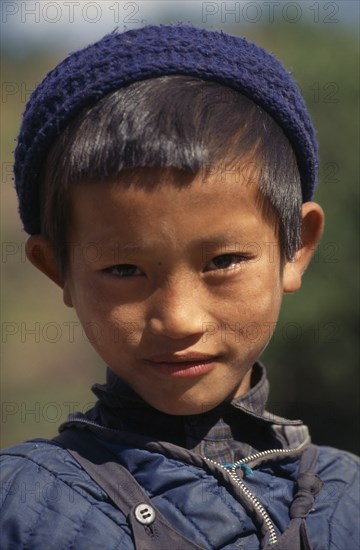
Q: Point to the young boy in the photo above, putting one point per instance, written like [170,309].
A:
[186,159]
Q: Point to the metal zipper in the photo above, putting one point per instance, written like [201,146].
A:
[256,503]
[262,454]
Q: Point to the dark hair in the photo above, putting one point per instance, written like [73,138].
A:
[173,121]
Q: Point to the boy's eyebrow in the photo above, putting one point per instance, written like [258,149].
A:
[112,246]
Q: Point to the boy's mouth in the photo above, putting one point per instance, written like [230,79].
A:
[182,365]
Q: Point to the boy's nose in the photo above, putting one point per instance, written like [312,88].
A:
[177,311]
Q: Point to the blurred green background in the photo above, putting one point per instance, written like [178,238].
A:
[47,364]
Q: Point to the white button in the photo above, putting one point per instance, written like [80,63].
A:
[145,514]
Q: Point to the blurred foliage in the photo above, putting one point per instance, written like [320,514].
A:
[313,357]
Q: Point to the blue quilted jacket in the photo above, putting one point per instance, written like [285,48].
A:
[49,501]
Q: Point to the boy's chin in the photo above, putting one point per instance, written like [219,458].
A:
[184,407]
[194,398]
[189,397]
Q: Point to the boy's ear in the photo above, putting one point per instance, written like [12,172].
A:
[312,228]
[42,255]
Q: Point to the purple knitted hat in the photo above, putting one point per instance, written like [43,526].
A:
[119,59]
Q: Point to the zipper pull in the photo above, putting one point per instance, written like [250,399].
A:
[248,472]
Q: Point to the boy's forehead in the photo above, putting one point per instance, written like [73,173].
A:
[224,181]
[158,196]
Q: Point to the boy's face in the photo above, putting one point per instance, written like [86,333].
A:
[161,274]
[178,286]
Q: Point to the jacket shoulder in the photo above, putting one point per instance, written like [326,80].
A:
[339,500]
[339,467]
[48,500]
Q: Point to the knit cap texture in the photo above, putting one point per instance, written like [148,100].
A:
[119,59]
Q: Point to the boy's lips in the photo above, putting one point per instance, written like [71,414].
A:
[182,365]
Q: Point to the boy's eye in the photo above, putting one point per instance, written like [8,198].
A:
[225,261]
[123,270]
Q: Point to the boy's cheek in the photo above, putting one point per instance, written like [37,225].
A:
[111,332]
